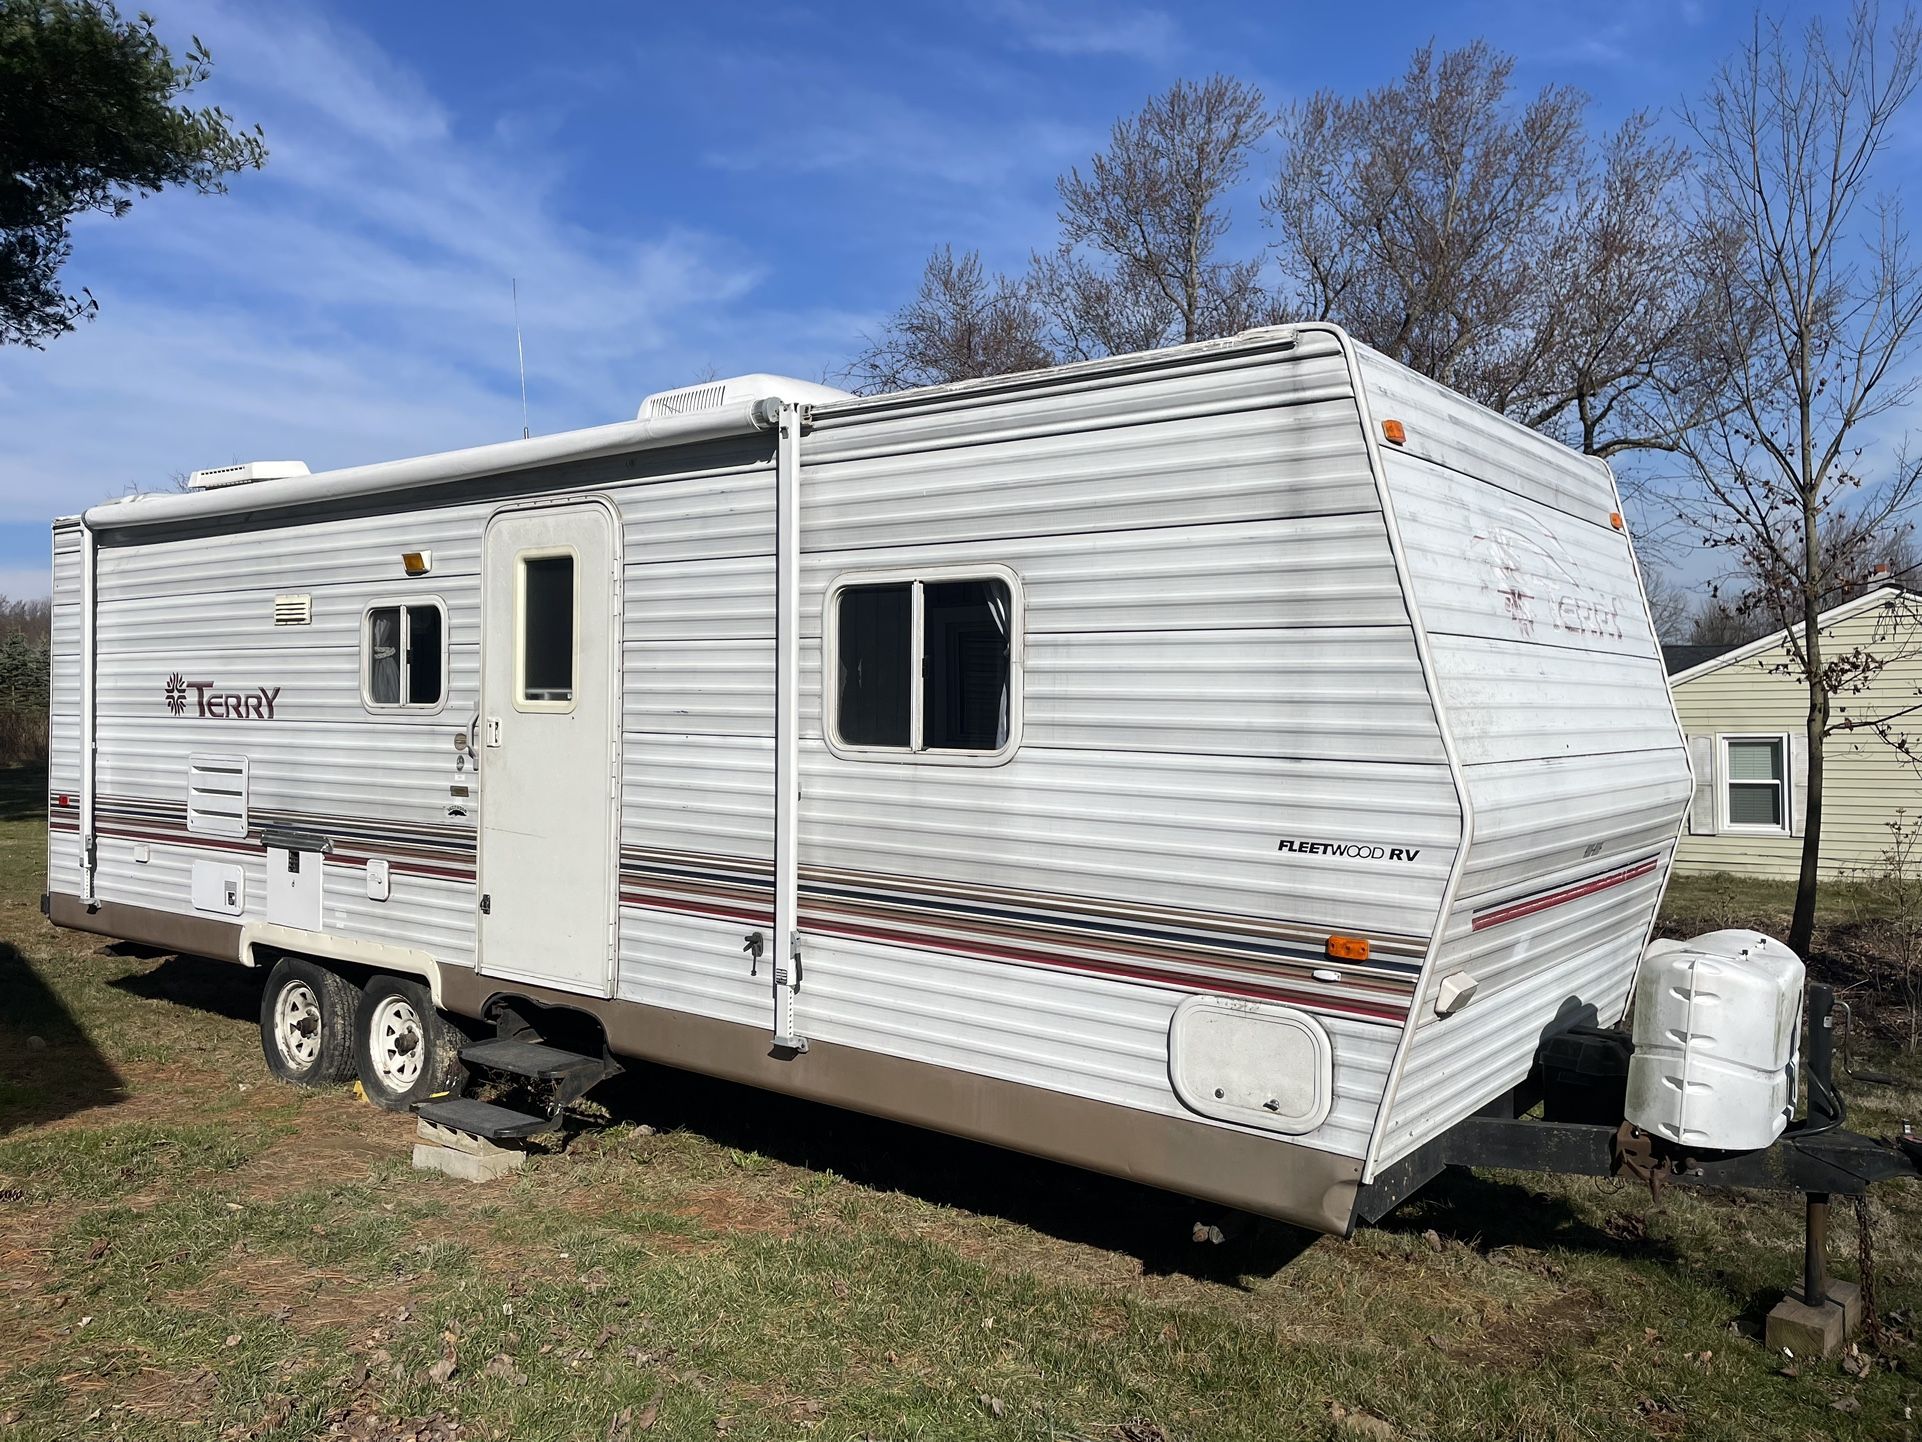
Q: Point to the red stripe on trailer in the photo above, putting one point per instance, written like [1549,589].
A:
[1529,906]
[1156,976]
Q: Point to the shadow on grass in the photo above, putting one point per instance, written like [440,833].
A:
[1153,1226]
[1492,1212]
[219,987]
[49,1067]
[23,792]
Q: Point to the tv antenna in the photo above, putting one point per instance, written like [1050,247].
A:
[520,353]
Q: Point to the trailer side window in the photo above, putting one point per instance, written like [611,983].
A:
[403,656]
[924,667]
[546,649]
[875,694]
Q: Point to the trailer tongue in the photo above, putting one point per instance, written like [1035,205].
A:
[1678,1089]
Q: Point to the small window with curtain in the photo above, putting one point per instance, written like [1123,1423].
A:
[924,667]
[1755,783]
[403,655]
[545,654]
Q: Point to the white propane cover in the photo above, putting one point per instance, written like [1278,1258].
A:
[1716,1021]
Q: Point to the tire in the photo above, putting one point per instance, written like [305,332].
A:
[404,1050]
[307,1023]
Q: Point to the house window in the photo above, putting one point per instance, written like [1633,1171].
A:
[403,656]
[546,651]
[1755,783]
[924,665]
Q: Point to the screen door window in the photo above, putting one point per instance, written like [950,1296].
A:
[547,641]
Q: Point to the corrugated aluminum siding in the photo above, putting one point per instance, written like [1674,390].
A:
[1216,657]
[1216,654]
[63,714]
[1551,685]
[377,782]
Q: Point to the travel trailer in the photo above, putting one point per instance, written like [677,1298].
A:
[1227,767]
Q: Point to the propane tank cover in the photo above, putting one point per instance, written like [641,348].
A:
[1716,1025]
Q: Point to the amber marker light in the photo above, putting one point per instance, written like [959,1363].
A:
[1615,519]
[417,563]
[1348,948]
[1395,431]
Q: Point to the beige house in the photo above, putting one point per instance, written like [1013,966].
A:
[1746,713]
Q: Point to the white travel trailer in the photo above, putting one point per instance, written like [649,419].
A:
[1221,767]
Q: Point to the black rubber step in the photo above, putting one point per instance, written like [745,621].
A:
[484,1119]
[529,1059]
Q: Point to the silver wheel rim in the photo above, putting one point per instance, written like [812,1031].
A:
[297,1025]
[395,1042]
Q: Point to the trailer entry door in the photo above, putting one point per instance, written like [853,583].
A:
[547,747]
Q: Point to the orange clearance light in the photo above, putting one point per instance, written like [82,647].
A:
[1348,948]
[417,563]
[1395,431]
[1615,519]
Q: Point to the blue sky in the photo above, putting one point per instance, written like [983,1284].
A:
[678,190]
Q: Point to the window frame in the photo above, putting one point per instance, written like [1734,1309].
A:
[519,697]
[917,579]
[401,604]
[1724,780]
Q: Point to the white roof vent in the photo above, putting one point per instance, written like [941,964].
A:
[245,471]
[712,395]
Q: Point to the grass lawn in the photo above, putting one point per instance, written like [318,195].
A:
[191,1250]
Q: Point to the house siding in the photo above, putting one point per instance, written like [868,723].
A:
[1867,781]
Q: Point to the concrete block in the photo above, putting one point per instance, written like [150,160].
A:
[1848,1297]
[1810,1331]
[468,1166]
[435,1134]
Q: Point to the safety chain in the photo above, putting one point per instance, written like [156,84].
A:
[1865,1266]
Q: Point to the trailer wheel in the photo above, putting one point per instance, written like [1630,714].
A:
[404,1050]
[307,1023]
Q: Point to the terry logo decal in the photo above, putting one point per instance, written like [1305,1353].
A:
[253,705]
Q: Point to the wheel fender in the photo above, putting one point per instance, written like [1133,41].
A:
[258,936]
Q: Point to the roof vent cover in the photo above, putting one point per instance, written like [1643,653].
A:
[734,390]
[246,471]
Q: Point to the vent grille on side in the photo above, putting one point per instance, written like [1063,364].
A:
[217,795]
[293,610]
[244,471]
[688,400]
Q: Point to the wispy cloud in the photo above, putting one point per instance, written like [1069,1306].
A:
[1629,33]
[1079,29]
[351,301]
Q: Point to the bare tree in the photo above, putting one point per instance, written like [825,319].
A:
[1092,312]
[964,323]
[1728,621]
[1868,562]
[1790,131]
[1140,262]
[1501,250]
[1668,604]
